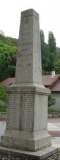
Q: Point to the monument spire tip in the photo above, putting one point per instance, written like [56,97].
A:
[29,12]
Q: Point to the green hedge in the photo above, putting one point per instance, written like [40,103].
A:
[2,108]
[53,111]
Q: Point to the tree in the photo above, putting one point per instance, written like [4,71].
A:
[57,65]
[8,53]
[4,63]
[9,40]
[44,52]
[42,36]
[45,58]
[48,53]
[7,60]
[3,98]
[51,42]
[3,94]
[51,100]
[11,71]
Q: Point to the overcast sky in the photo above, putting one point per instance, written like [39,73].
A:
[49,11]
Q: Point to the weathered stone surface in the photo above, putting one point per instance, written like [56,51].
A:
[26,127]
[28,69]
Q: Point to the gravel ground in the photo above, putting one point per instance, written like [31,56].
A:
[54,157]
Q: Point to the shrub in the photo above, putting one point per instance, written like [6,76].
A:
[3,94]
[2,108]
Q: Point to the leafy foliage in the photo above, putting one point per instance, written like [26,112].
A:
[52,42]
[7,60]
[50,54]
[51,100]
[3,98]
[9,40]
[57,65]
[3,94]
[53,111]
[8,54]
[42,36]
[3,108]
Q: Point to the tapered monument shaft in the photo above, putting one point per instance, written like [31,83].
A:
[26,126]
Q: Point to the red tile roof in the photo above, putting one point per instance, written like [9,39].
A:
[47,80]
[56,86]
[8,81]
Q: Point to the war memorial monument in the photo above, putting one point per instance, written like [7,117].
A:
[26,124]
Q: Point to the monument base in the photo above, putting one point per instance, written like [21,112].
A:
[51,152]
[32,144]
[26,127]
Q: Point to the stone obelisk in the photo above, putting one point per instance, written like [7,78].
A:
[26,126]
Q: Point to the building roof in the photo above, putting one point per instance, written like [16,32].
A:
[47,80]
[8,81]
[56,86]
[52,83]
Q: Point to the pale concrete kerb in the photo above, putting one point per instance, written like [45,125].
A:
[56,146]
